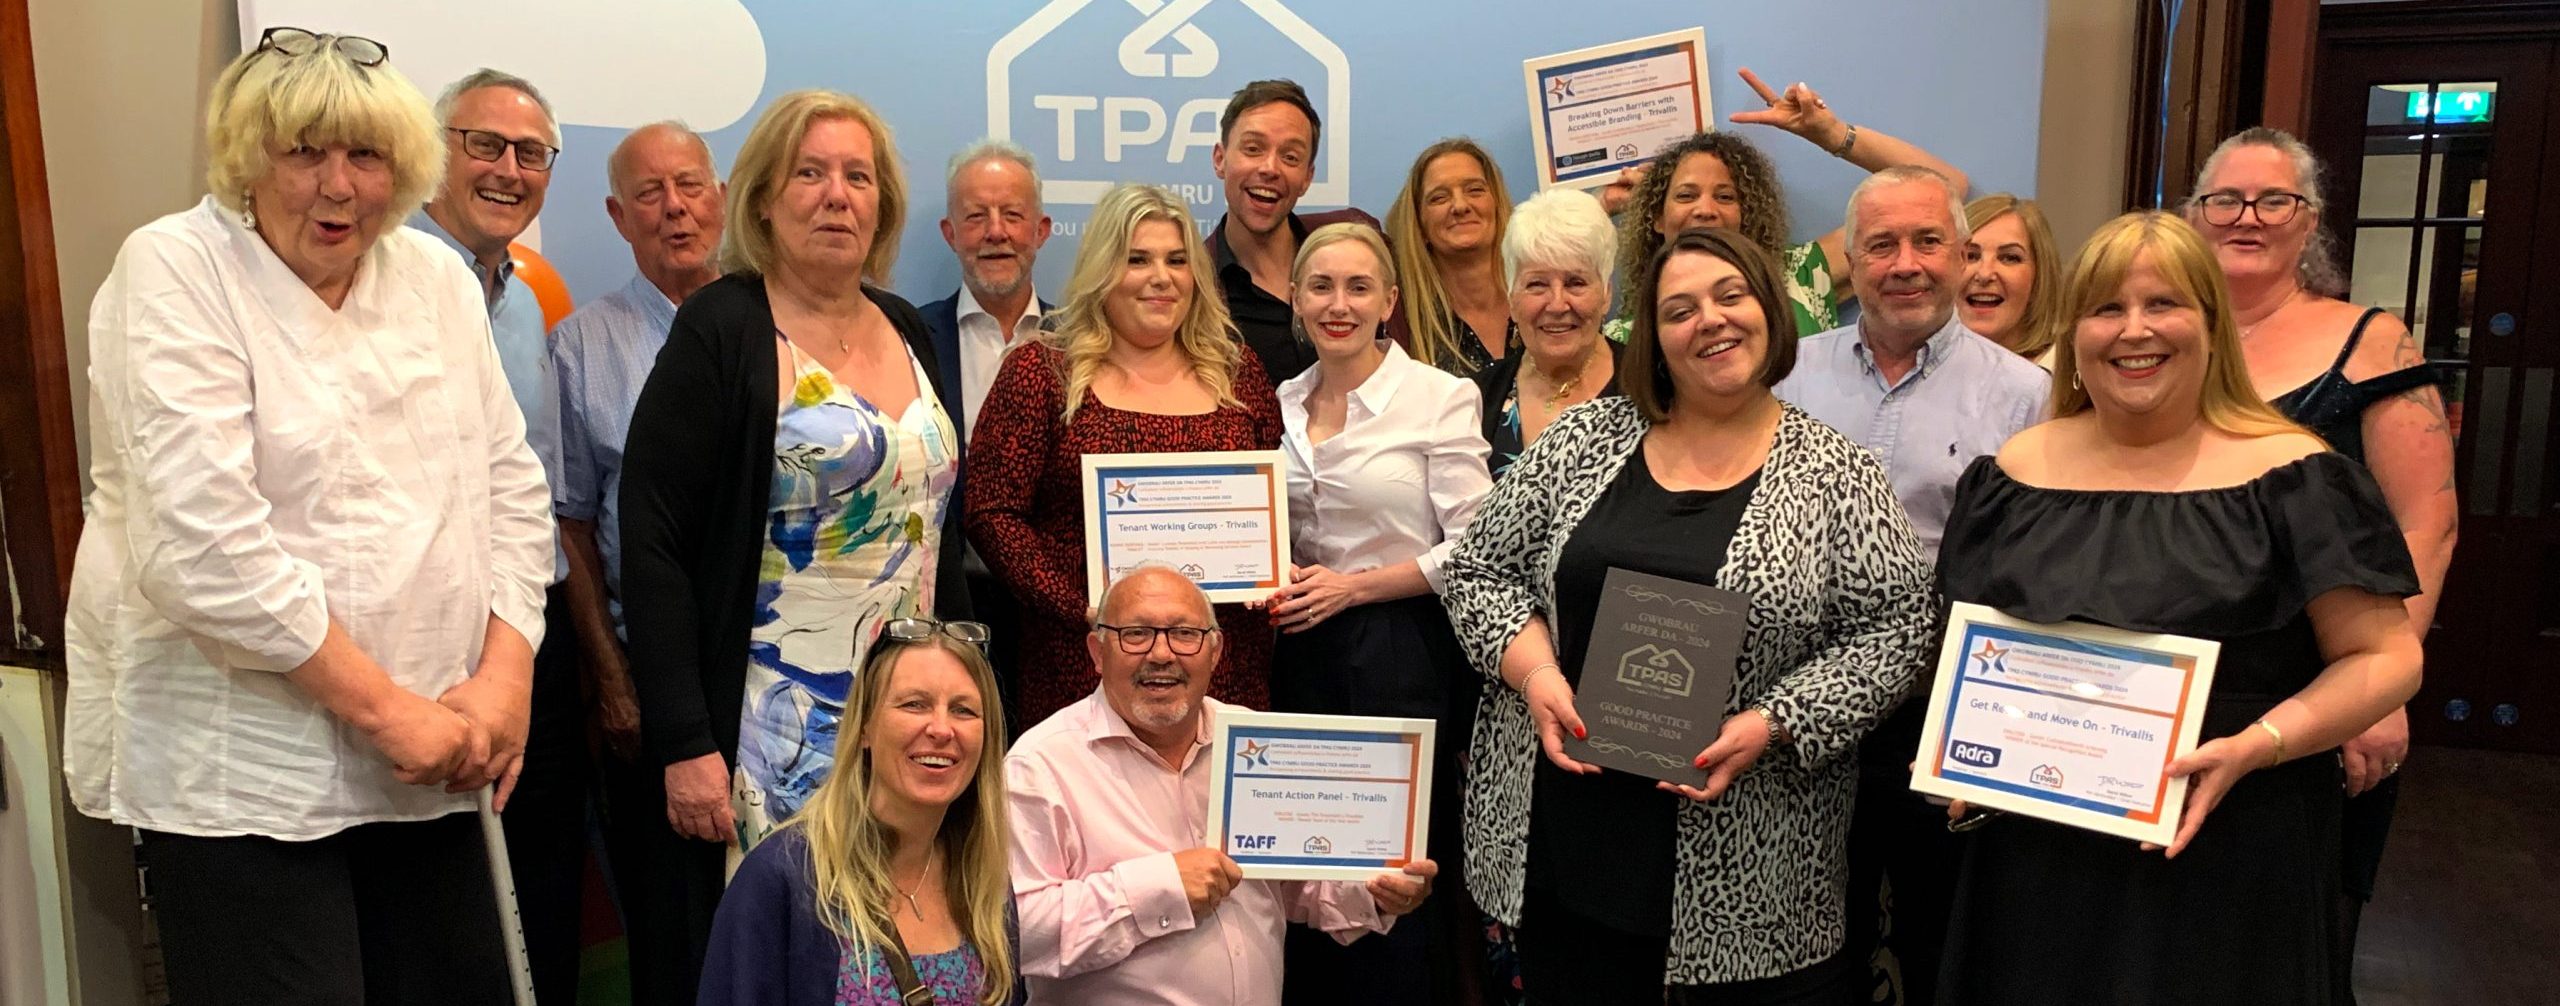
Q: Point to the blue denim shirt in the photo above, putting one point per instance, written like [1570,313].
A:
[1963,398]
[515,324]
[602,353]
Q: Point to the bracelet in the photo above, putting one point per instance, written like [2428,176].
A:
[1847,144]
[1523,686]
[1777,731]
[2271,730]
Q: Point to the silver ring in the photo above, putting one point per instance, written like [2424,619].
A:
[1819,103]
[2390,768]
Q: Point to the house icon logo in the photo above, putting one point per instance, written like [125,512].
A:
[1658,670]
[1150,112]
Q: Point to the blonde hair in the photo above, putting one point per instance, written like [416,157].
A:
[1426,301]
[1337,233]
[2043,321]
[267,100]
[2229,401]
[849,848]
[2317,269]
[1084,336]
[757,174]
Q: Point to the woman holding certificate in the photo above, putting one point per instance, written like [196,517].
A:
[1775,526]
[1144,360]
[1385,470]
[2168,498]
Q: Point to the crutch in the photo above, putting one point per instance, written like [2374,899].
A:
[503,881]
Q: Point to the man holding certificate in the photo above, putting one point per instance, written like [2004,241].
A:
[1123,897]
[2167,499]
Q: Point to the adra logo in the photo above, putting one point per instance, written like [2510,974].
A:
[1147,110]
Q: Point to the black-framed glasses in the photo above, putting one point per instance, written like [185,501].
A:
[303,42]
[917,630]
[2222,209]
[483,145]
[1185,640]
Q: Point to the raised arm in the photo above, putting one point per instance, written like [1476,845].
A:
[1800,111]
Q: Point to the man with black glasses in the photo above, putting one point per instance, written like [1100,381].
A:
[500,141]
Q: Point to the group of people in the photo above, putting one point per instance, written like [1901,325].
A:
[782,576]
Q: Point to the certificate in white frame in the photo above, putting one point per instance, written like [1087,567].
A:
[1594,111]
[1304,797]
[1221,517]
[2071,722]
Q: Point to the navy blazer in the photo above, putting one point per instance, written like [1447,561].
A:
[942,321]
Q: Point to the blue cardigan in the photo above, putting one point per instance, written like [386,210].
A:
[768,946]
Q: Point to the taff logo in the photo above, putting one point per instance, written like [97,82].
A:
[1257,843]
[1083,130]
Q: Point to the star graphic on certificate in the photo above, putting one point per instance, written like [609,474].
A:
[1255,754]
[1122,492]
[1991,655]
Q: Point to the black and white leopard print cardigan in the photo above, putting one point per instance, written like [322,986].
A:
[1841,615]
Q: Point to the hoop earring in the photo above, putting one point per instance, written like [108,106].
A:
[2075,380]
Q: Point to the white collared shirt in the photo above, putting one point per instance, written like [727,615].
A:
[983,343]
[1400,481]
[263,465]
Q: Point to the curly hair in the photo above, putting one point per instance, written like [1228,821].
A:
[1755,181]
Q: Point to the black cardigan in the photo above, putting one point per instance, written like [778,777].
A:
[697,474]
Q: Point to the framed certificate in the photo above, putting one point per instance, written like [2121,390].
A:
[1295,797]
[1593,111]
[1221,517]
[2072,723]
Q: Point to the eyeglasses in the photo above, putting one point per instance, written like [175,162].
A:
[303,42]
[2222,209]
[1184,639]
[917,630]
[483,145]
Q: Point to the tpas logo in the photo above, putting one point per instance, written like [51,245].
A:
[2046,776]
[1150,112]
[1976,755]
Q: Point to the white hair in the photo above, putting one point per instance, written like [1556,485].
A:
[486,77]
[1560,227]
[991,149]
[1906,174]
[2317,270]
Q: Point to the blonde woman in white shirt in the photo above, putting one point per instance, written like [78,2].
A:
[305,605]
[1386,464]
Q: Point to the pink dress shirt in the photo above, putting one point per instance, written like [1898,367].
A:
[1097,817]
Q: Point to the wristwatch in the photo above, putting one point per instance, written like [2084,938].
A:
[1777,730]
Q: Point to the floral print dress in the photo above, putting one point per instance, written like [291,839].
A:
[857,505]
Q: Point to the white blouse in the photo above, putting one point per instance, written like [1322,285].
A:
[1400,481]
[263,464]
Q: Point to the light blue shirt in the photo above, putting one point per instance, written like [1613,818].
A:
[1963,398]
[602,353]
[515,324]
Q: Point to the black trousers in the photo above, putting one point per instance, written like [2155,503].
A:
[1896,838]
[376,915]
[546,818]
[668,885]
[1569,960]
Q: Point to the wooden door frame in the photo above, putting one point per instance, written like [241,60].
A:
[2484,605]
[39,473]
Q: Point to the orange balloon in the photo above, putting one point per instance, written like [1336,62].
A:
[535,273]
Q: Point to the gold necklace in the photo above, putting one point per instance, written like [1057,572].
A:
[1565,388]
[910,895]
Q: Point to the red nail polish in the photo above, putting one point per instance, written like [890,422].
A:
[1578,734]
[1700,763]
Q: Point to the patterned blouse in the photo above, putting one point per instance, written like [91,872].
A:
[1841,608]
[954,976]
[857,503]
